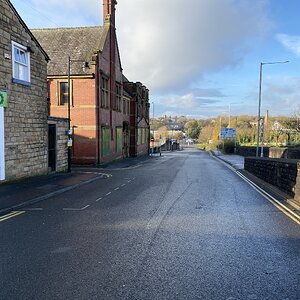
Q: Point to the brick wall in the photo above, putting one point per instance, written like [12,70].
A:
[282,173]
[26,116]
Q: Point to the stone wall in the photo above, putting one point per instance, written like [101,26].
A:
[25,118]
[282,173]
[291,153]
[251,151]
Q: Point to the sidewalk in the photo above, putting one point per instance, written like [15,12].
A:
[21,193]
[236,161]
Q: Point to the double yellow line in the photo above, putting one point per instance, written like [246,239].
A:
[11,215]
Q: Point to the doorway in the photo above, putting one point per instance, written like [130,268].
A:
[2,153]
[52,147]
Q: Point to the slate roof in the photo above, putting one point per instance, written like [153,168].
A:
[79,43]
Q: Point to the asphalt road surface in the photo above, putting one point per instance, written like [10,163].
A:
[180,226]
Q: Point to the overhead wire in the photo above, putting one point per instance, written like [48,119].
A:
[27,3]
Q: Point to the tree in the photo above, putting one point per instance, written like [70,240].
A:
[206,134]
[192,129]
[163,132]
[178,135]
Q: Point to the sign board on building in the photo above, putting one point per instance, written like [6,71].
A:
[3,98]
[228,133]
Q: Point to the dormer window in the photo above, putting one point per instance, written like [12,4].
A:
[21,64]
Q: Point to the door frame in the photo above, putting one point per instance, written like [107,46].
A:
[55,146]
[2,145]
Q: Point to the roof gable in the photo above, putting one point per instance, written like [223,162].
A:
[80,43]
[27,29]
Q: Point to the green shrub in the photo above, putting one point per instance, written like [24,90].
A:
[229,147]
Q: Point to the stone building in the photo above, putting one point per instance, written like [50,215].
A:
[139,117]
[99,110]
[23,99]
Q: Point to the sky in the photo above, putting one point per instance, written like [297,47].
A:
[198,58]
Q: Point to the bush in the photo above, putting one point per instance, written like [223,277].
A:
[229,147]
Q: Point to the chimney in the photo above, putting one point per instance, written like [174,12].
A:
[109,9]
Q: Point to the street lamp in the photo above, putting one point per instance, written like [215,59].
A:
[70,138]
[259,99]
[153,127]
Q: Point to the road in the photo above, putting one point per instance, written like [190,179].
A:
[180,226]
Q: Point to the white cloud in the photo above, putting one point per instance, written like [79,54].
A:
[169,45]
[166,44]
[280,95]
[291,42]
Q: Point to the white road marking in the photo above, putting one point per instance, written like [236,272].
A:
[123,184]
[295,217]
[98,199]
[34,209]
[76,209]
[11,215]
[117,188]
[108,193]
[284,209]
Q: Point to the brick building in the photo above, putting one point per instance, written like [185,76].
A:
[139,117]
[100,110]
[23,99]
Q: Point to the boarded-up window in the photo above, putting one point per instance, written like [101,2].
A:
[139,136]
[105,141]
[145,136]
[119,141]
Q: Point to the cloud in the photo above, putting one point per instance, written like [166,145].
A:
[291,42]
[187,103]
[280,95]
[168,44]
[209,92]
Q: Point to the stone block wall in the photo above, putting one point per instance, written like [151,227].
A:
[25,118]
[251,151]
[282,173]
[291,153]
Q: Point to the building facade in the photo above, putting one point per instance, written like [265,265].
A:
[99,108]
[23,99]
[139,118]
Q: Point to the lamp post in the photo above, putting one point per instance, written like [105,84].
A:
[70,138]
[153,127]
[259,99]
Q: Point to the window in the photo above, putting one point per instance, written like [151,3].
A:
[119,97]
[21,64]
[63,93]
[104,92]
[124,107]
[128,107]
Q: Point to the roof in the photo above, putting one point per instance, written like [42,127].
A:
[80,43]
[27,29]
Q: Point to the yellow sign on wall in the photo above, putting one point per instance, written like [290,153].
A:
[3,98]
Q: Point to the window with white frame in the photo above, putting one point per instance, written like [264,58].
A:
[21,63]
